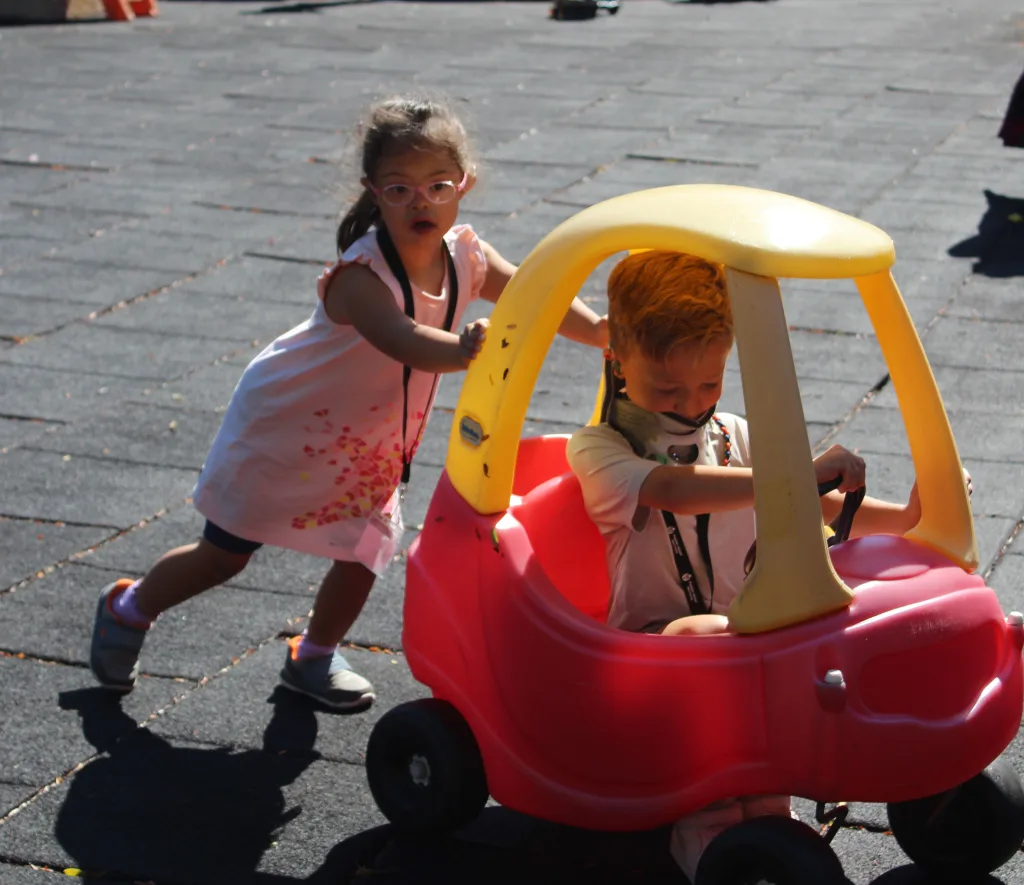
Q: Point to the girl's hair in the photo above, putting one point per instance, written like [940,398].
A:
[659,299]
[394,125]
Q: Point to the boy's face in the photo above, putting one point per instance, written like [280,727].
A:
[687,382]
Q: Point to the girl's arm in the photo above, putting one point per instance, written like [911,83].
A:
[580,323]
[366,303]
[710,489]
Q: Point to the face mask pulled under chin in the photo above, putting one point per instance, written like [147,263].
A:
[690,422]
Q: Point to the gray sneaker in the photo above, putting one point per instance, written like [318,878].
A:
[114,656]
[327,679]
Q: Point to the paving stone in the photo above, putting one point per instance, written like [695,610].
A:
[106,819]
[143,434]
[15,250]
[180,255]
[108,493]
[282,721]
[15,432]
[52,618]
[97,285]
[593,145]
[27,546]
[56,696]
[992,533]
[28,875]
[92,348]
[197,314]
[11,796]
[1007,579]
[261,279]
[875,429]
[976,344]
[23,317]
[993,300]
[208,388]
[235,230]
[987,391]
[33,393]
[814,306]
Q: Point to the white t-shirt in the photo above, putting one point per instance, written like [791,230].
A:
[309,455]
[645,587]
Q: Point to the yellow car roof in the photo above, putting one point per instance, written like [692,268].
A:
[756,231]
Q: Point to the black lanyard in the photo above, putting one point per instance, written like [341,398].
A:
[612,388]
[391,256]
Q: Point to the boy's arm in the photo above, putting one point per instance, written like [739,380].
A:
[874,517]
[877,517]
[580,323]
[709,489]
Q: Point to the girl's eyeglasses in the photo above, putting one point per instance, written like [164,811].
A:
[437,192]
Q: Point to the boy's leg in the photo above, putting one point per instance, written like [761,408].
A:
[314,666]
[692,834]
[126,609]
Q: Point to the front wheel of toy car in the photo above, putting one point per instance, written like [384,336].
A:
[779,850]
[968,831]
[424,767]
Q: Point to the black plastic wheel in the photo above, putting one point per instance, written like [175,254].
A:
[776,850]
[424,767]
[968,831]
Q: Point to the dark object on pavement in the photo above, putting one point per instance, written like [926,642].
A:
[1012,131]
[574,10]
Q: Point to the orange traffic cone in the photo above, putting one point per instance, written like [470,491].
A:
[118,10]
[145,7]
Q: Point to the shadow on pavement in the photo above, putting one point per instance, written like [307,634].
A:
[911,875]
[154,811]
[503,847]
[999,243]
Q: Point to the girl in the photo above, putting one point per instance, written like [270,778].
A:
[319,435]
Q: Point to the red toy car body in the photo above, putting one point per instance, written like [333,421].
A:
[581,723]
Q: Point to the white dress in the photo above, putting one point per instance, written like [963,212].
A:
[309,455]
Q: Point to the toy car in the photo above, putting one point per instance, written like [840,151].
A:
[878,669]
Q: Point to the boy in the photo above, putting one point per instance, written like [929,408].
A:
[664,463]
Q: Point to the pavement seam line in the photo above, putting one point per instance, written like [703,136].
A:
[74,557]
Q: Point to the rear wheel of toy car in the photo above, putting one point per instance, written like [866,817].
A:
[968,831]
[779,850]
[424,767]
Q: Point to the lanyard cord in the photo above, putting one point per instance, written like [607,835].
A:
[613,387]
[391,256]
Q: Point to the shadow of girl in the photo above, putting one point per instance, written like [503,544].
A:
[148,809]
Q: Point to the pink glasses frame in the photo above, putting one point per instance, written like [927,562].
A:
[417,189]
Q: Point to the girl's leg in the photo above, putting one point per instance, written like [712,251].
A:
[314,666]
[186,572]
[126,609]
[338,602]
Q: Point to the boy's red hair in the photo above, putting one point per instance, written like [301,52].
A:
[658,299]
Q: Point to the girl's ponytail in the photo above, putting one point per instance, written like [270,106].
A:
[357,221]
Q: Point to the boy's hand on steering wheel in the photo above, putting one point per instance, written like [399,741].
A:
[837,461]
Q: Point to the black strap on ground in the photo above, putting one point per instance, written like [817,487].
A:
[391,256]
